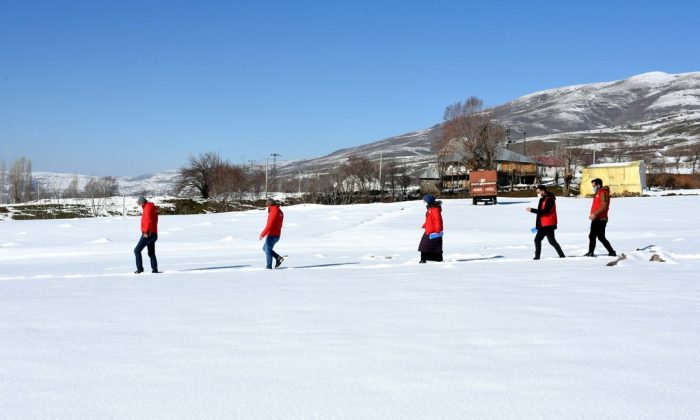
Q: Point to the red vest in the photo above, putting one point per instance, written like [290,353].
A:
[605,191]
[548,219]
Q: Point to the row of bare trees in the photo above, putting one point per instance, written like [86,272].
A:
[96,187]
[208,175]
[357,179]
[17,185]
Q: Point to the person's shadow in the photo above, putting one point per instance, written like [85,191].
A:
[495,257]
[322,265]
[226,267]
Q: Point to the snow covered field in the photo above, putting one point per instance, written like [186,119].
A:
[354,327]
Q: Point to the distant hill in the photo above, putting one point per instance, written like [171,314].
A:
[658,110]
[160,183]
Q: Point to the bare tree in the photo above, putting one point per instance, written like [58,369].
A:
[405,180]
[228,179]
[254,181]
[643,151]
[694,155]
[199,173]
[28,181]
[572,157]
[391,175]
[618,150]
[72,190]
[20,180]
[359,173]
[102,187]
[54,187]
[678,154]
[470,131]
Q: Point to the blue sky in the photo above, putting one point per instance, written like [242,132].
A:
[132,87]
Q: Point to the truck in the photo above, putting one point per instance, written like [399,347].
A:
[483,186]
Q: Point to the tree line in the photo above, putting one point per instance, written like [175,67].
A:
[358,179]
[18,185]
[468,136]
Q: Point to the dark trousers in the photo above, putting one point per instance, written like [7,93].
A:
[430,249]
[149,243]
[547,232]
[270,242]
[431,256]
[598,232]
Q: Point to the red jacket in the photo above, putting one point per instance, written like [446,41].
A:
[433,220]
[149,219]
[601,204]
[546,211]
[275,217]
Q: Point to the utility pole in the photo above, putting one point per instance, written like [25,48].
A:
[594,147]
[524,143]
[381,184]
[274,168]
[267,164]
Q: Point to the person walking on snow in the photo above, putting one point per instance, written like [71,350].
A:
[273,230]
[599,218]
[546,222]
[430,246]
[149,235]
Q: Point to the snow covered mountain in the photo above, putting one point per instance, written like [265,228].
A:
[657,110]
[52,184]
[647,97]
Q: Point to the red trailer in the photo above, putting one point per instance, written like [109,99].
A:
[483,186]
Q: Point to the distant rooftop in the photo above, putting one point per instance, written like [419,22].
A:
[502,155]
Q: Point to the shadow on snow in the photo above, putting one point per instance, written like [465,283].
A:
[322,265]
[216,268]
[495,257]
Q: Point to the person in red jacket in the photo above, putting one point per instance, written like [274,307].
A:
[599,218]
[430,246]
[149,235]
[273,231]
[546,222]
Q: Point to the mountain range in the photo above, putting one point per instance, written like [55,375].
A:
[657,111]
